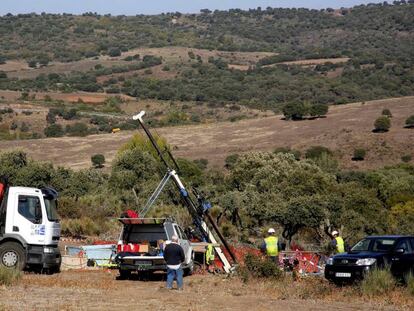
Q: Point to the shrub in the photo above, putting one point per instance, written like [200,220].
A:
[406,158]
[318,110]
[24,127]
[410,284]
[296,153]
[294,111]
[32,63]
[54,130]
[359,154]
[230,161]
[386,112]
[77,129]
[378,282]
[409,123]
[195,118]
[50,118]
[114,52]
[382,124]
[98,160]
[80,227]
[112,104]
[201,163]
[9,276]
[70,114]
[315,152]
[191,54]
[13,126]
[262,268]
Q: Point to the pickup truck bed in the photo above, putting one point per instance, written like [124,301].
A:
[153,233]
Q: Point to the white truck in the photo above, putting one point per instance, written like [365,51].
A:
[140,246]
[29,229]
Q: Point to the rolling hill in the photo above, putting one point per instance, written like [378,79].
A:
[345,128]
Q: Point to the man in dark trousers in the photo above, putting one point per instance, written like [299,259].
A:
[174,257]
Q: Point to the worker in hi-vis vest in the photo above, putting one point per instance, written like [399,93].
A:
[272,245]
[210,257]
[338,242]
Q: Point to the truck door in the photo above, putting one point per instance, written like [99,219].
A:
[29,220]
[185,244]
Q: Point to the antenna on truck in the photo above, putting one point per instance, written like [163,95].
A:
[199,211]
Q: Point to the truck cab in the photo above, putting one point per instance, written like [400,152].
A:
[141,245]
[29,229]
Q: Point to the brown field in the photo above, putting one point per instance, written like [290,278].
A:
[99,290]
[180,54]
[312,62]
[86,97]
[345,128]
[318,61]
[170,55]
[23,72]
[239,67]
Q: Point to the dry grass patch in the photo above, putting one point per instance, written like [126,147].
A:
[9,276]
[73,279]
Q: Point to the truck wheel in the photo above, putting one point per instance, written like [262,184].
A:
[189,270]
[124,274]
[12,256]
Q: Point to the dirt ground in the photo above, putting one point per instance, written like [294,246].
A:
[100,290]
[345,128]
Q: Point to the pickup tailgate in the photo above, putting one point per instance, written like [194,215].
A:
[141,262]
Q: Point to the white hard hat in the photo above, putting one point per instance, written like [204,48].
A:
[335,232]
[271,230]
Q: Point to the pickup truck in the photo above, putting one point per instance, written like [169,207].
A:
[141,243]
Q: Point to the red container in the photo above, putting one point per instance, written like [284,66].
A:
[134,248]
[2,188]
[129,248]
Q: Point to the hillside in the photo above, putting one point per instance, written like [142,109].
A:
[66,75]
[345,128]
[258,58]
[374,30]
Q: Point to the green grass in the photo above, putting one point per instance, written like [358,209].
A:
[378,282]
[410,284]
[9,276]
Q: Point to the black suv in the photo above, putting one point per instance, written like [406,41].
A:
[394,251]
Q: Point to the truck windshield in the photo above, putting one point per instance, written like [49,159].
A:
[51,209]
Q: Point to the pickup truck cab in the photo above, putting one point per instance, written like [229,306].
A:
[141,244]
[393,251]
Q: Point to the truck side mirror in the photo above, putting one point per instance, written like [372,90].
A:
[38,214]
